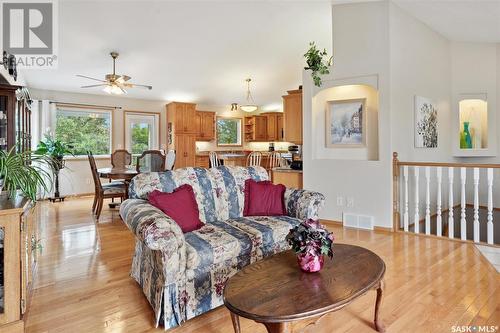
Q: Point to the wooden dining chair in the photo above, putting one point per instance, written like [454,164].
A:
[151,161]
[115,189]
[275,160]
[254,159]
[170,160]
[121,158]
[214,159]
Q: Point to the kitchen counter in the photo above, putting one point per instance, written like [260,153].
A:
[286,170]
[288,177]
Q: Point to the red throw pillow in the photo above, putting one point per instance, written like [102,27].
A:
[264,199]
[180,205]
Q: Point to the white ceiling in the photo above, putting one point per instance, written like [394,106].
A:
[458,20]
[188,51]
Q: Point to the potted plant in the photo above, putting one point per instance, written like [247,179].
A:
[55,149]
[311,241]
[26,172]
[317,63]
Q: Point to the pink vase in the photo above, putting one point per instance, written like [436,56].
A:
[309,262]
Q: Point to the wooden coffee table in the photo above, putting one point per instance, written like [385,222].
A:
[276,293]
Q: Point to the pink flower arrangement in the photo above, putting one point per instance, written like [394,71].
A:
[311,241]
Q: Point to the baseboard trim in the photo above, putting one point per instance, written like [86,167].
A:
[340,224]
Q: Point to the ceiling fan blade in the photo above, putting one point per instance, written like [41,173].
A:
[123,90]
[133,85]
[90,78]
[94,85]
[122,79]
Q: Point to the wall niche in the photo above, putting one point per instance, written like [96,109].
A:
[474,132]
[342,97]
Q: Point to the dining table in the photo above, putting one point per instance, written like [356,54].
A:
[119,173]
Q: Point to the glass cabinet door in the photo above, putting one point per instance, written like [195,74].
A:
[3,122]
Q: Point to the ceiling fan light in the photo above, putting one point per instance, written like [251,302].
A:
[116,90]
[248,108]
[107,89]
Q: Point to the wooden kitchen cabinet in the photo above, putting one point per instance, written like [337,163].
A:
[274,126]
[255,128]
[289,178]
[279,125]
[202,161]
[292,111]
[182,116]
[185,150]
[205,126]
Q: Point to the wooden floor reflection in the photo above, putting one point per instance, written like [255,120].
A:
[83,282]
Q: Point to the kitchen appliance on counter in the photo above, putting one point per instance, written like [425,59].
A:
[296,152]
[296,160]
[271,146]
[296,165]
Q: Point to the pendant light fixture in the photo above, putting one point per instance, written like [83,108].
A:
[250,104]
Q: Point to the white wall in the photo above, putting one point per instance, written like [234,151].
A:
[361,56]
[379,39]
[420,65]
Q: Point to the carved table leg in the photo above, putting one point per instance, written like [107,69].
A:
[379,326]
[236,322]
[277,327]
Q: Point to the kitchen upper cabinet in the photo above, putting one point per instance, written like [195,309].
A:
[205,126]
[279,126]
[182,116]
[272,129]
[256,128]
[274,126]
[292,111]
[260,128]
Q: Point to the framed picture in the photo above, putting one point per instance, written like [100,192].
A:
[426,134]
[346,123]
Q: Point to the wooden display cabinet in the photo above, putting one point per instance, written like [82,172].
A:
[15,118]
[19,238]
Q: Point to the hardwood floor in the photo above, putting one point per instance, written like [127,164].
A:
[83,284]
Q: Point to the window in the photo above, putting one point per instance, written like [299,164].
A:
[229,132]
[141,131]
[84,129]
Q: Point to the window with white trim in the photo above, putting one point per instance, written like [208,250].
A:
[84,129]
[142,131]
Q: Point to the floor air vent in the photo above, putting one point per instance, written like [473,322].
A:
[357,221]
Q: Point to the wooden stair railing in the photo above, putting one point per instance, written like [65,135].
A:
[434,171]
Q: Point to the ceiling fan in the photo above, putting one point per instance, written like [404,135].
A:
[113,83]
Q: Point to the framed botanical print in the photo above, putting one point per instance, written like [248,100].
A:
[346,123]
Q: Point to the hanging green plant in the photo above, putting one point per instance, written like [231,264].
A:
[317,63]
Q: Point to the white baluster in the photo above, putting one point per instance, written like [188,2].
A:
[439,219]
[427,201]
[463,222]
[490,207]
[406,213]
[416,217]
[476,205]
[451,223]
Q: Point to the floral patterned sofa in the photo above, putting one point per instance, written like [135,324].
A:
[183,275]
